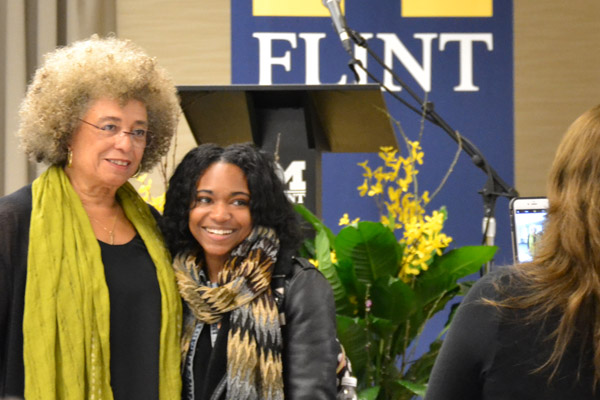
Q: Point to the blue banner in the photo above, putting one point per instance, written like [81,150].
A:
[457,54]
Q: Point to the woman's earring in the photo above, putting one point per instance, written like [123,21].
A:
[69,157]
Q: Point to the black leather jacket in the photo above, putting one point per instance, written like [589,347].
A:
[309,339]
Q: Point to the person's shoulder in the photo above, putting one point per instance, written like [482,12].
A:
[305,290]
[17,202]
[492,285]
[302,264]
[15,217]
[503,277]
[302,267]
[289,266]
[295,272]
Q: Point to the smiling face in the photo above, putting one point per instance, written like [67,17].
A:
[101,161]
[220,215]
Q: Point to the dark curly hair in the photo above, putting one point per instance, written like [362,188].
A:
[73,77]
[269,206]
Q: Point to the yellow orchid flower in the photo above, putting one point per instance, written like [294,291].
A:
[363,189]
[333,257]
[159,202]
[142,177]
[404,209]
[375,189]
[368,173]
[345,220]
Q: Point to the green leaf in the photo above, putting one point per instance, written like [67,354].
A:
[420,370]
[372,247]
[417,323]
[451,315]
[392,299]
[316,223]
[352,334]
[416,388]
[448,268]
[369,394]
[307,250]
[354,289]
[323,250]
[439,304]
[464,287]
[384,328]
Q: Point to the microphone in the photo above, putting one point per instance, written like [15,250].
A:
[339,22]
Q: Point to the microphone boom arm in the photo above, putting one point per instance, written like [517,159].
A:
[494,187]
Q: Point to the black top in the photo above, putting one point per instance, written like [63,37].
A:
[492,353]
[310,350]
[134,319]
[208,371]
[15,213]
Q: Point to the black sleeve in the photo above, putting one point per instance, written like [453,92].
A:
[15,212]
[5,293]
[309,345]
[467,351]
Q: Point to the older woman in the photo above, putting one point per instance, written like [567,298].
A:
[532,331]
[88,303]
[233,232]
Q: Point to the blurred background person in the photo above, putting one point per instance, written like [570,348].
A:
[532,331]
[232,231]
[88,302]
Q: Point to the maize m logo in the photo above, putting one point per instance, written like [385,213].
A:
[294,179]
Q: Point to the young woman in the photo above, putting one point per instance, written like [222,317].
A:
[532,331]
[232,230]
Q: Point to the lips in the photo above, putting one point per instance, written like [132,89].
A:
[121,163]
[220,232]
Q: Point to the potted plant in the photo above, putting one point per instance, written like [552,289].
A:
[389,277]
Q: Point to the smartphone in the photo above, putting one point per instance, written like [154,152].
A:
[527,218]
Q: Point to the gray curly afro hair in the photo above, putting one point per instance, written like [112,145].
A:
[74,76]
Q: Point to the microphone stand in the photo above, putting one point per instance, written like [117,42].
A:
[494,187]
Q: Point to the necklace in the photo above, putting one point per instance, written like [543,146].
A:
[111,233]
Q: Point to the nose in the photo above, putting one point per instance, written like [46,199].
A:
[220,212]
[123,141]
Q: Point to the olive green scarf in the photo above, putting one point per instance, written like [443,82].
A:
[66,321]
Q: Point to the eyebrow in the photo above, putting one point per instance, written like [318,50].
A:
[232,194]
[116,119]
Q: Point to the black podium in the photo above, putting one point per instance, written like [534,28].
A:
[301,121]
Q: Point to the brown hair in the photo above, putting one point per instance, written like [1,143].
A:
[74,76]
[564,276]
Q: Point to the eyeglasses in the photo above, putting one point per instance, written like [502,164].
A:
[139,137]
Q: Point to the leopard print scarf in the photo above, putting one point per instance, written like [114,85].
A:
[254,368]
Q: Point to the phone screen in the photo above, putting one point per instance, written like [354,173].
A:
[527,217]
